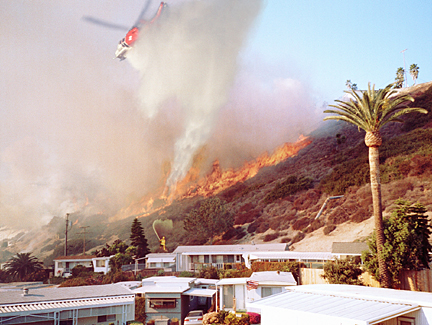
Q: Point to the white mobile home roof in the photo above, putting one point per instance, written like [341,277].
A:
[224,249]
[227,281]
[341,309]
[52,294]
[288,255]
[398,296]
[160,289]
[273,277]
[200,292]
[263,278]
[59,298]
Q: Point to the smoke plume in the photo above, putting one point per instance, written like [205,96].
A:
[81,132]
[189,60]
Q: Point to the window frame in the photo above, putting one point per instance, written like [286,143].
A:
[162,303]
[403,319]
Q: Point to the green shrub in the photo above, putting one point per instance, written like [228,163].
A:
[299,236]
[301,223]
[290,186]
[408,153]
[343,271]
[234,319]
[270,237]
[140,314]
[285,240]
[328,229]
[209,272]
[186,274]
[293,267]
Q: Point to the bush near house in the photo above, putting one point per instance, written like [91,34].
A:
[227,318]
[343,271]
[254,318]
[140,314]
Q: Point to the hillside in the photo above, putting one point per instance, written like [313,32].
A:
[267,209]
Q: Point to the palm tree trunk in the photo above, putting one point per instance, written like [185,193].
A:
[377,211]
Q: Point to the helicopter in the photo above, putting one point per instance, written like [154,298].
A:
[127,42]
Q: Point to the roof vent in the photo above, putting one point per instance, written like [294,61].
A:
[25,292]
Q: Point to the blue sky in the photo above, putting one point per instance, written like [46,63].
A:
[328,42]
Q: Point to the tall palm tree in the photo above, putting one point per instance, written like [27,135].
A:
[371,110]
[22,265]
[400,72]
[414,71]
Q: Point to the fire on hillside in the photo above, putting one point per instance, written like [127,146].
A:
[214,182]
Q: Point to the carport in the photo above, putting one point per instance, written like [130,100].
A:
[200,299]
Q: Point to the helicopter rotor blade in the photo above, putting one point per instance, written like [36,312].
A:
[104,23]
[142,13]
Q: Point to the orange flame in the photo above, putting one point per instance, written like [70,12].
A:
[215,182]
[218,180]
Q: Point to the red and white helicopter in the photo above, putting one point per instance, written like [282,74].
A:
[126,43]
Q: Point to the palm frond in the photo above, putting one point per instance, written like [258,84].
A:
[371,109]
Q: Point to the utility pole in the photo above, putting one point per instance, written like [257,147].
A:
[406,80]
[84,232]
[66,232]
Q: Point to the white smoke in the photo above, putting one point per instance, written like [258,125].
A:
[73,136]
[189,59]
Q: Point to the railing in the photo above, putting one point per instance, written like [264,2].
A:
[219,266]
[131,267]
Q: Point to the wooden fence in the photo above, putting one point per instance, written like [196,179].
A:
[416,280]
[409,280]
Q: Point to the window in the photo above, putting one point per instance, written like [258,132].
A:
[163,303]
[268,291]
[60,265]
[106,318]
[406,321]
[66,322]
[102,318]
[228,295]
[100,263]
[228,258]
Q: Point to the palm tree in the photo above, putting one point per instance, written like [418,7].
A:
[399,77]
[22,265]
[414,71]
[371,110]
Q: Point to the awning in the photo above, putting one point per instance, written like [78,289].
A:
[200,292]
[161,259]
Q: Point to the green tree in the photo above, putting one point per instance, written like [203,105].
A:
[118,260]
[343,271]
[210,219]
[118,246]
[209,272]
[138,239]
[350,85]
[414,71]
[23,265]
[371,110]
[400,77]
[140,314]
[407,245]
